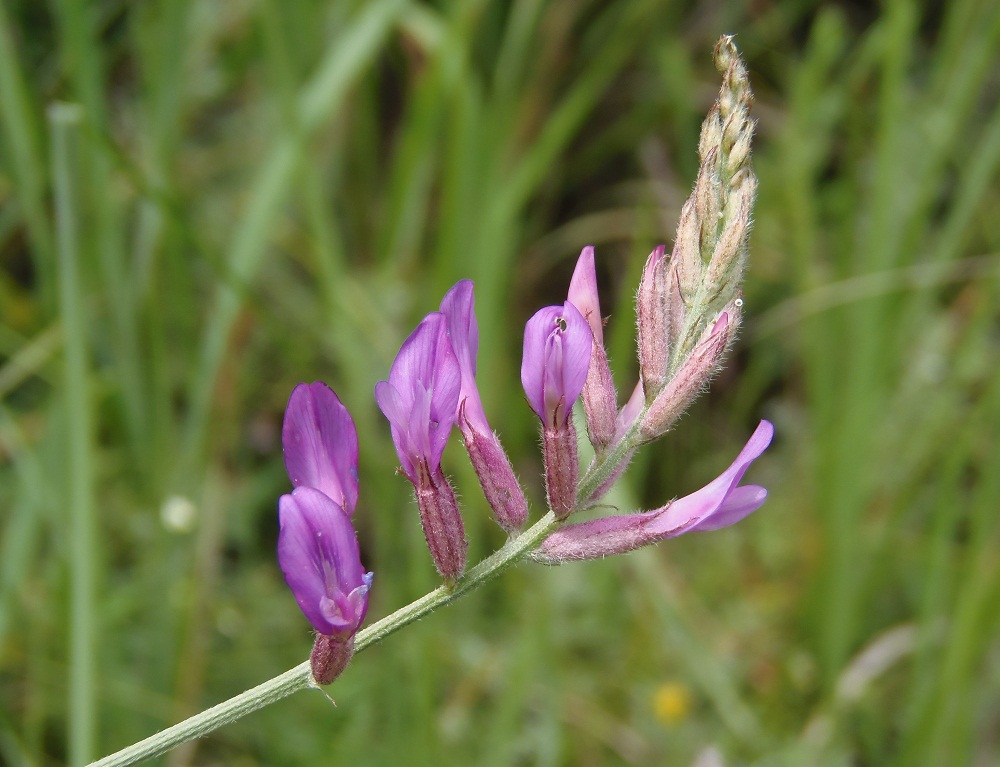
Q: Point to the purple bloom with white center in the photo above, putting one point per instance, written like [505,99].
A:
[720,503]
[318,553]
[420,399]
[557,347]
[321,444]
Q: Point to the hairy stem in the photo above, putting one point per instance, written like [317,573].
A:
[300,677]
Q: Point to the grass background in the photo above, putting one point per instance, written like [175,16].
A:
[252,194]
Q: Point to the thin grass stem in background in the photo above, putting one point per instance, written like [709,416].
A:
[65,121]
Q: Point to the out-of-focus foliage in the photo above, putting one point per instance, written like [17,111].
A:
[265,193]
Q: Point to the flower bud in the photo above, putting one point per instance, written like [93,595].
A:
[492,466]
[693,376]
[496,476]
[652,306]
[600,401]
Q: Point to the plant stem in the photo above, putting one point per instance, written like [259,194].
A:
[300,677]
[64,123]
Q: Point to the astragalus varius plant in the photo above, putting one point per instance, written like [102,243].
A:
[688,309]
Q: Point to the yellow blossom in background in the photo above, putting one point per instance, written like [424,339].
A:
[671,702]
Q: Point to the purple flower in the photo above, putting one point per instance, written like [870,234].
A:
[321,444]
[420,399]
[318,553]
[600,400]
[458,307]
[317,546]
[583,293]
[557,347]
[720,503]
[488,458]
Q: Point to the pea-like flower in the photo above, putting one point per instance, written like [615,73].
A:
[317,547]
[490,461]
[557,346]
[721,503]
[319,555]
[420,401]
[557,352]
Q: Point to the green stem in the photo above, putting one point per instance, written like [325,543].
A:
[300,677]
[607,464]
[64,122]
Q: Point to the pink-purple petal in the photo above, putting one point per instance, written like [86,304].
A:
[557,352]
[536,333]
[420,399]
[321,444]
[583,293]
[695,510]
[577,343]
[458,307]
[395,408]
[319,556]
[739,504]
[719,504]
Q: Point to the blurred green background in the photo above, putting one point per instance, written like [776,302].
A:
[253,194]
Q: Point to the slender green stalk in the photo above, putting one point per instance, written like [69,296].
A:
[300,677]
[65,120]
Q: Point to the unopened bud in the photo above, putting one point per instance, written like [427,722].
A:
[685,260]
[692,377]
[652,308]
[600,401]
[729,257]
[711,133]
[496,476]
[740,152]
[708,202]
